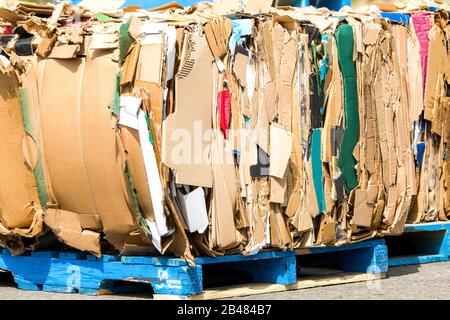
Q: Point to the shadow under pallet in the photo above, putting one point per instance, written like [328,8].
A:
[421,243]
[211,278]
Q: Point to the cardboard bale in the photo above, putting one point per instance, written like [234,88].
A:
[219,130]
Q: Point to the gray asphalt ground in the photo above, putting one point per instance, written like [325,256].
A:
[425,282]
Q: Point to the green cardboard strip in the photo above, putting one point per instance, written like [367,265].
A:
[115,103]
[125,41]
[316,151]
[346,161]
[102,17]
[38,171]
[137,210]
[152,140]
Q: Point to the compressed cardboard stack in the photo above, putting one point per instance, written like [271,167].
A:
[221,128]
[430,90]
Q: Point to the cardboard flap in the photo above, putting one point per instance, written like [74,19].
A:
[134,30]
[218,32]
[278,190]
[67,227]
[151,55]
[105,36]
[241,63]
[35,228]
[327,230]
[46,46]
[294,203]
[91,222]
[9,15]
[281,142]
[185,143]
[224,195]
[130,66]
[180,246]
[363,212]
[65,52]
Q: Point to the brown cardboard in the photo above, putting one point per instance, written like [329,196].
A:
[20,210]
[414,72]
[217,32]
[46,46]
[224,197]
[285,78]
[240,68]
[9,15]
[192,117]
[65,52]
[97,159]
[278,190]
[436,59]
[279,235]
[362,214]
[95,184]
[67,227]
[327,230]
[405,178]
[130,65]
[135,28]
[105,36]
[149,67]
[281,142]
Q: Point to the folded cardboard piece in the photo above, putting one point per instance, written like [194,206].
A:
[219,130]
[21,215]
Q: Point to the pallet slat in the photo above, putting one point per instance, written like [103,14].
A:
[261,288]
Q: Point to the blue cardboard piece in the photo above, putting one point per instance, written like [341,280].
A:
[397,16]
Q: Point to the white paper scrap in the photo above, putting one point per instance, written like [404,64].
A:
[153,179]
[132,105]
[193,206]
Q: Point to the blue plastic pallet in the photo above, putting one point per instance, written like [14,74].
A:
[361,257]
[421,243]
[86,274]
